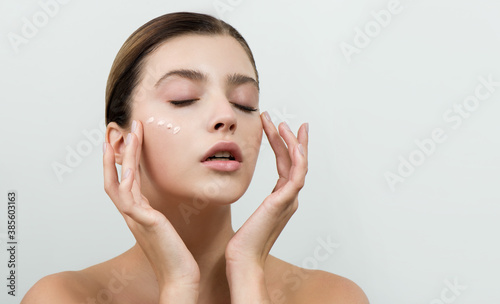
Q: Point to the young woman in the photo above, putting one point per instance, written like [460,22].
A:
[183,121]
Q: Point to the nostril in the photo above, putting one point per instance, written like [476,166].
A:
[229,126]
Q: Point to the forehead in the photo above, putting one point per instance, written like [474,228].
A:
[217,56]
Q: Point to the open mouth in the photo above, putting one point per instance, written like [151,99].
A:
[223,151]
[223,155]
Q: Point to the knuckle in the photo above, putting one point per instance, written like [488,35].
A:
[127,210]
[122,188]
[299,184]
[107,187]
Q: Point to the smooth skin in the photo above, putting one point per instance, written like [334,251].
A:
[199,259]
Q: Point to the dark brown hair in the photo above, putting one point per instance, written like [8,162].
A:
[127,66]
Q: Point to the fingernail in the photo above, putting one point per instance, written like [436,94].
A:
[301,149]
[266,115]
[127,140]
[134,125]
[287,126]
[307,127]
[104,147]
[127,173]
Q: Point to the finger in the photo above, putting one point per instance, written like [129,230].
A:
[297,147]
[135,141]
[283,160]
[298,170]
[292,141]
[130,161]
[139,208]
[120,193]
[129,153]
[288,137]
[126,198]
[111,184]
[109,170]
[133,209]
[139,133]
[303,137]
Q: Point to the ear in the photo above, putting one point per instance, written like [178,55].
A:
[115,136]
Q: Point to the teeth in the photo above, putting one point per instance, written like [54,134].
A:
[222,154]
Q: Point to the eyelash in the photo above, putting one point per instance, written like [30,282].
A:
[182,103]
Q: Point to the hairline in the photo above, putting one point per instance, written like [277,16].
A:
[141,65]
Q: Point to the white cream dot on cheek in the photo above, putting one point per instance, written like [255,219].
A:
[162,122]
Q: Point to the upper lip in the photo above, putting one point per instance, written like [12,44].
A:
[229,146]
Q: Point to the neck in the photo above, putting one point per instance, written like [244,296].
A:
[205,229]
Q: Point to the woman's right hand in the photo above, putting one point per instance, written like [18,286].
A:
[174,266]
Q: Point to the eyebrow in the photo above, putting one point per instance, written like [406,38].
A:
[232,80]
[239,79]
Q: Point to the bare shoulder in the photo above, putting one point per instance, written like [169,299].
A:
[63,287]
[288,283]
[325,287]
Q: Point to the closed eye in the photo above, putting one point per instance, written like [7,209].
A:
[245,108]
[182,103]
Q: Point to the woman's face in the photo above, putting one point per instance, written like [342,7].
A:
[213,74]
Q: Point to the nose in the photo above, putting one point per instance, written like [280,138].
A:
[231,126]
[224,118]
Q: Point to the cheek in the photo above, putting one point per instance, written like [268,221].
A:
[164,123]
[253,139]
[257,131]
[166,143]
[165,139]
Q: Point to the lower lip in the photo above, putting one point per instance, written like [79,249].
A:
[222,165]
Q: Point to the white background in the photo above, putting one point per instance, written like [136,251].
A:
[440,224]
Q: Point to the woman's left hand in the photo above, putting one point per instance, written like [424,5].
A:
[247,251]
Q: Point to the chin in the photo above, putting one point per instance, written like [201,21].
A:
[226,199]
[219,192]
